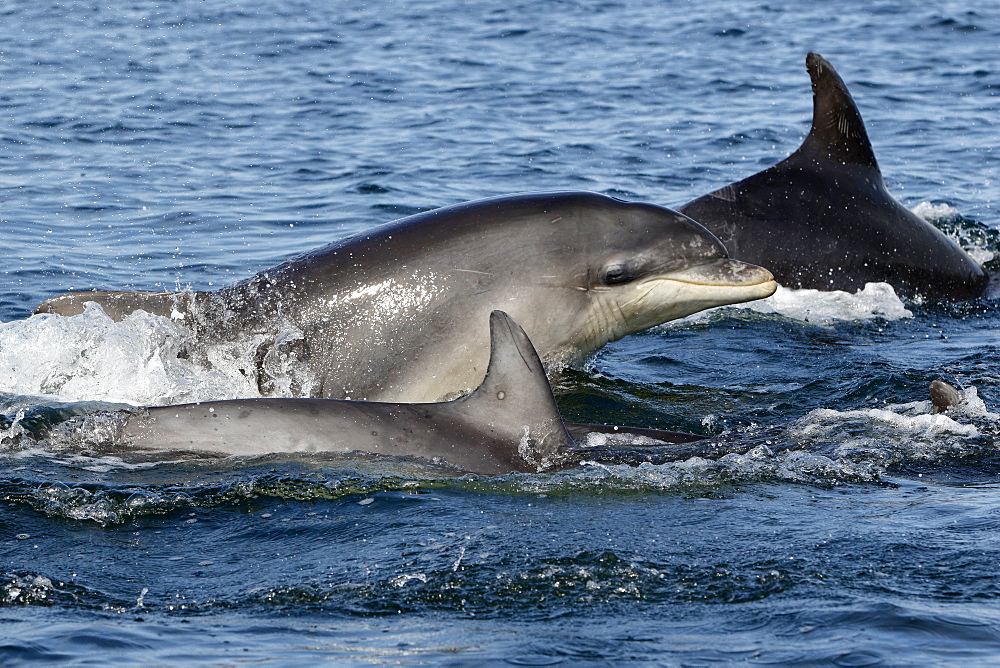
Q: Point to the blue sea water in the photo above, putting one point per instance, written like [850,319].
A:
[173,145]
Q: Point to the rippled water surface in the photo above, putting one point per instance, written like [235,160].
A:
[163,146]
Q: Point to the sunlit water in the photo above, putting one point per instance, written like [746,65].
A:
[188,145]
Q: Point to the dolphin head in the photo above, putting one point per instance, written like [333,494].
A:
[649,264]
[578,270]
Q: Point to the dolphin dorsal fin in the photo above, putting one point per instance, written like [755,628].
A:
[515,400]
[838,131]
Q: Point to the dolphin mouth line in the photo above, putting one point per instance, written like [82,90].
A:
[690,281]
[724,273]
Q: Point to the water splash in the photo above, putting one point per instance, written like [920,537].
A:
[821,307]
[979,241]
[875,300]
[142,360]
[900,433]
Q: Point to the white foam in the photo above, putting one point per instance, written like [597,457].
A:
[945,212]
[26,589]
[831,446]
[931,212]
[973,406]
[897,433]
[696,472]
[924,425]
[874,301]
[596,439]
[13,433]
[92,357]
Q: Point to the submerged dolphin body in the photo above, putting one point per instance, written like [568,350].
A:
[509,423]
[823,218]
[399,313]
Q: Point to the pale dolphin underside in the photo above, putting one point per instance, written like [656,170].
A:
[399,313]
[823,218]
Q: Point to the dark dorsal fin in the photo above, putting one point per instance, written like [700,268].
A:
[838,132]
[515,396]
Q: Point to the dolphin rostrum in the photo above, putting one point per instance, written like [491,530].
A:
[399,313]
[823,218]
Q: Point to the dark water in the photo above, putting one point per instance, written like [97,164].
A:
[170,145]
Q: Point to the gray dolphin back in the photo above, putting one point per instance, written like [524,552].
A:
[514,403]
[509,423]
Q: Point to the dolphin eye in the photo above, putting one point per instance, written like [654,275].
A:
[616,274]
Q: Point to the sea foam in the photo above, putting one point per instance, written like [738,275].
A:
[90,357]
[875,300]
[963,232]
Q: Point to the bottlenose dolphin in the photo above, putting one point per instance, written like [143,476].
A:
[399,313]
[509,423]
[823,218]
